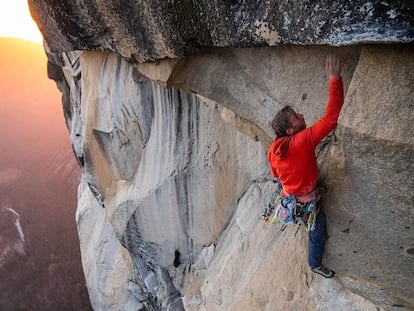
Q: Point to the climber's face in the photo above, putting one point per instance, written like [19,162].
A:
[297,123]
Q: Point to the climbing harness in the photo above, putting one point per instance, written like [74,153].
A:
[287,210]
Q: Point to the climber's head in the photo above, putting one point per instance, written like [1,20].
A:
[287,122]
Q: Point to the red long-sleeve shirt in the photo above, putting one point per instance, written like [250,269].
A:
[297,169]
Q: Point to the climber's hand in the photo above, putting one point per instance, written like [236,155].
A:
[332,66]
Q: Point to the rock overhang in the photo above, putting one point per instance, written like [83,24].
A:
[148,30]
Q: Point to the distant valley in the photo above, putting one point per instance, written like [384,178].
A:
[40,267]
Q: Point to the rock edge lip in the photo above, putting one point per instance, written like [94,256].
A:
[151,30]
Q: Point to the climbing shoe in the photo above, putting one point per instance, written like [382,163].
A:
[324,271]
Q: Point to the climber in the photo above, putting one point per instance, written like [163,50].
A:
[292,159]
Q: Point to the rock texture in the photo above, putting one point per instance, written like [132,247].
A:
[153,29]
[173,154]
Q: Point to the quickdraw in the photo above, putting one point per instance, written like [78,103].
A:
[311,211]
[268,214]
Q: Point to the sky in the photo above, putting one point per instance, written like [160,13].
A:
[16,21]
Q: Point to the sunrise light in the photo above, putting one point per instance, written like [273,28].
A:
[16,21]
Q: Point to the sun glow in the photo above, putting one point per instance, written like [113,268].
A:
[16,21]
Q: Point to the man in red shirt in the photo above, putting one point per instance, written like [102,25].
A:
[292,158]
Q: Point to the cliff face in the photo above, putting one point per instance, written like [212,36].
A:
[173,152]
